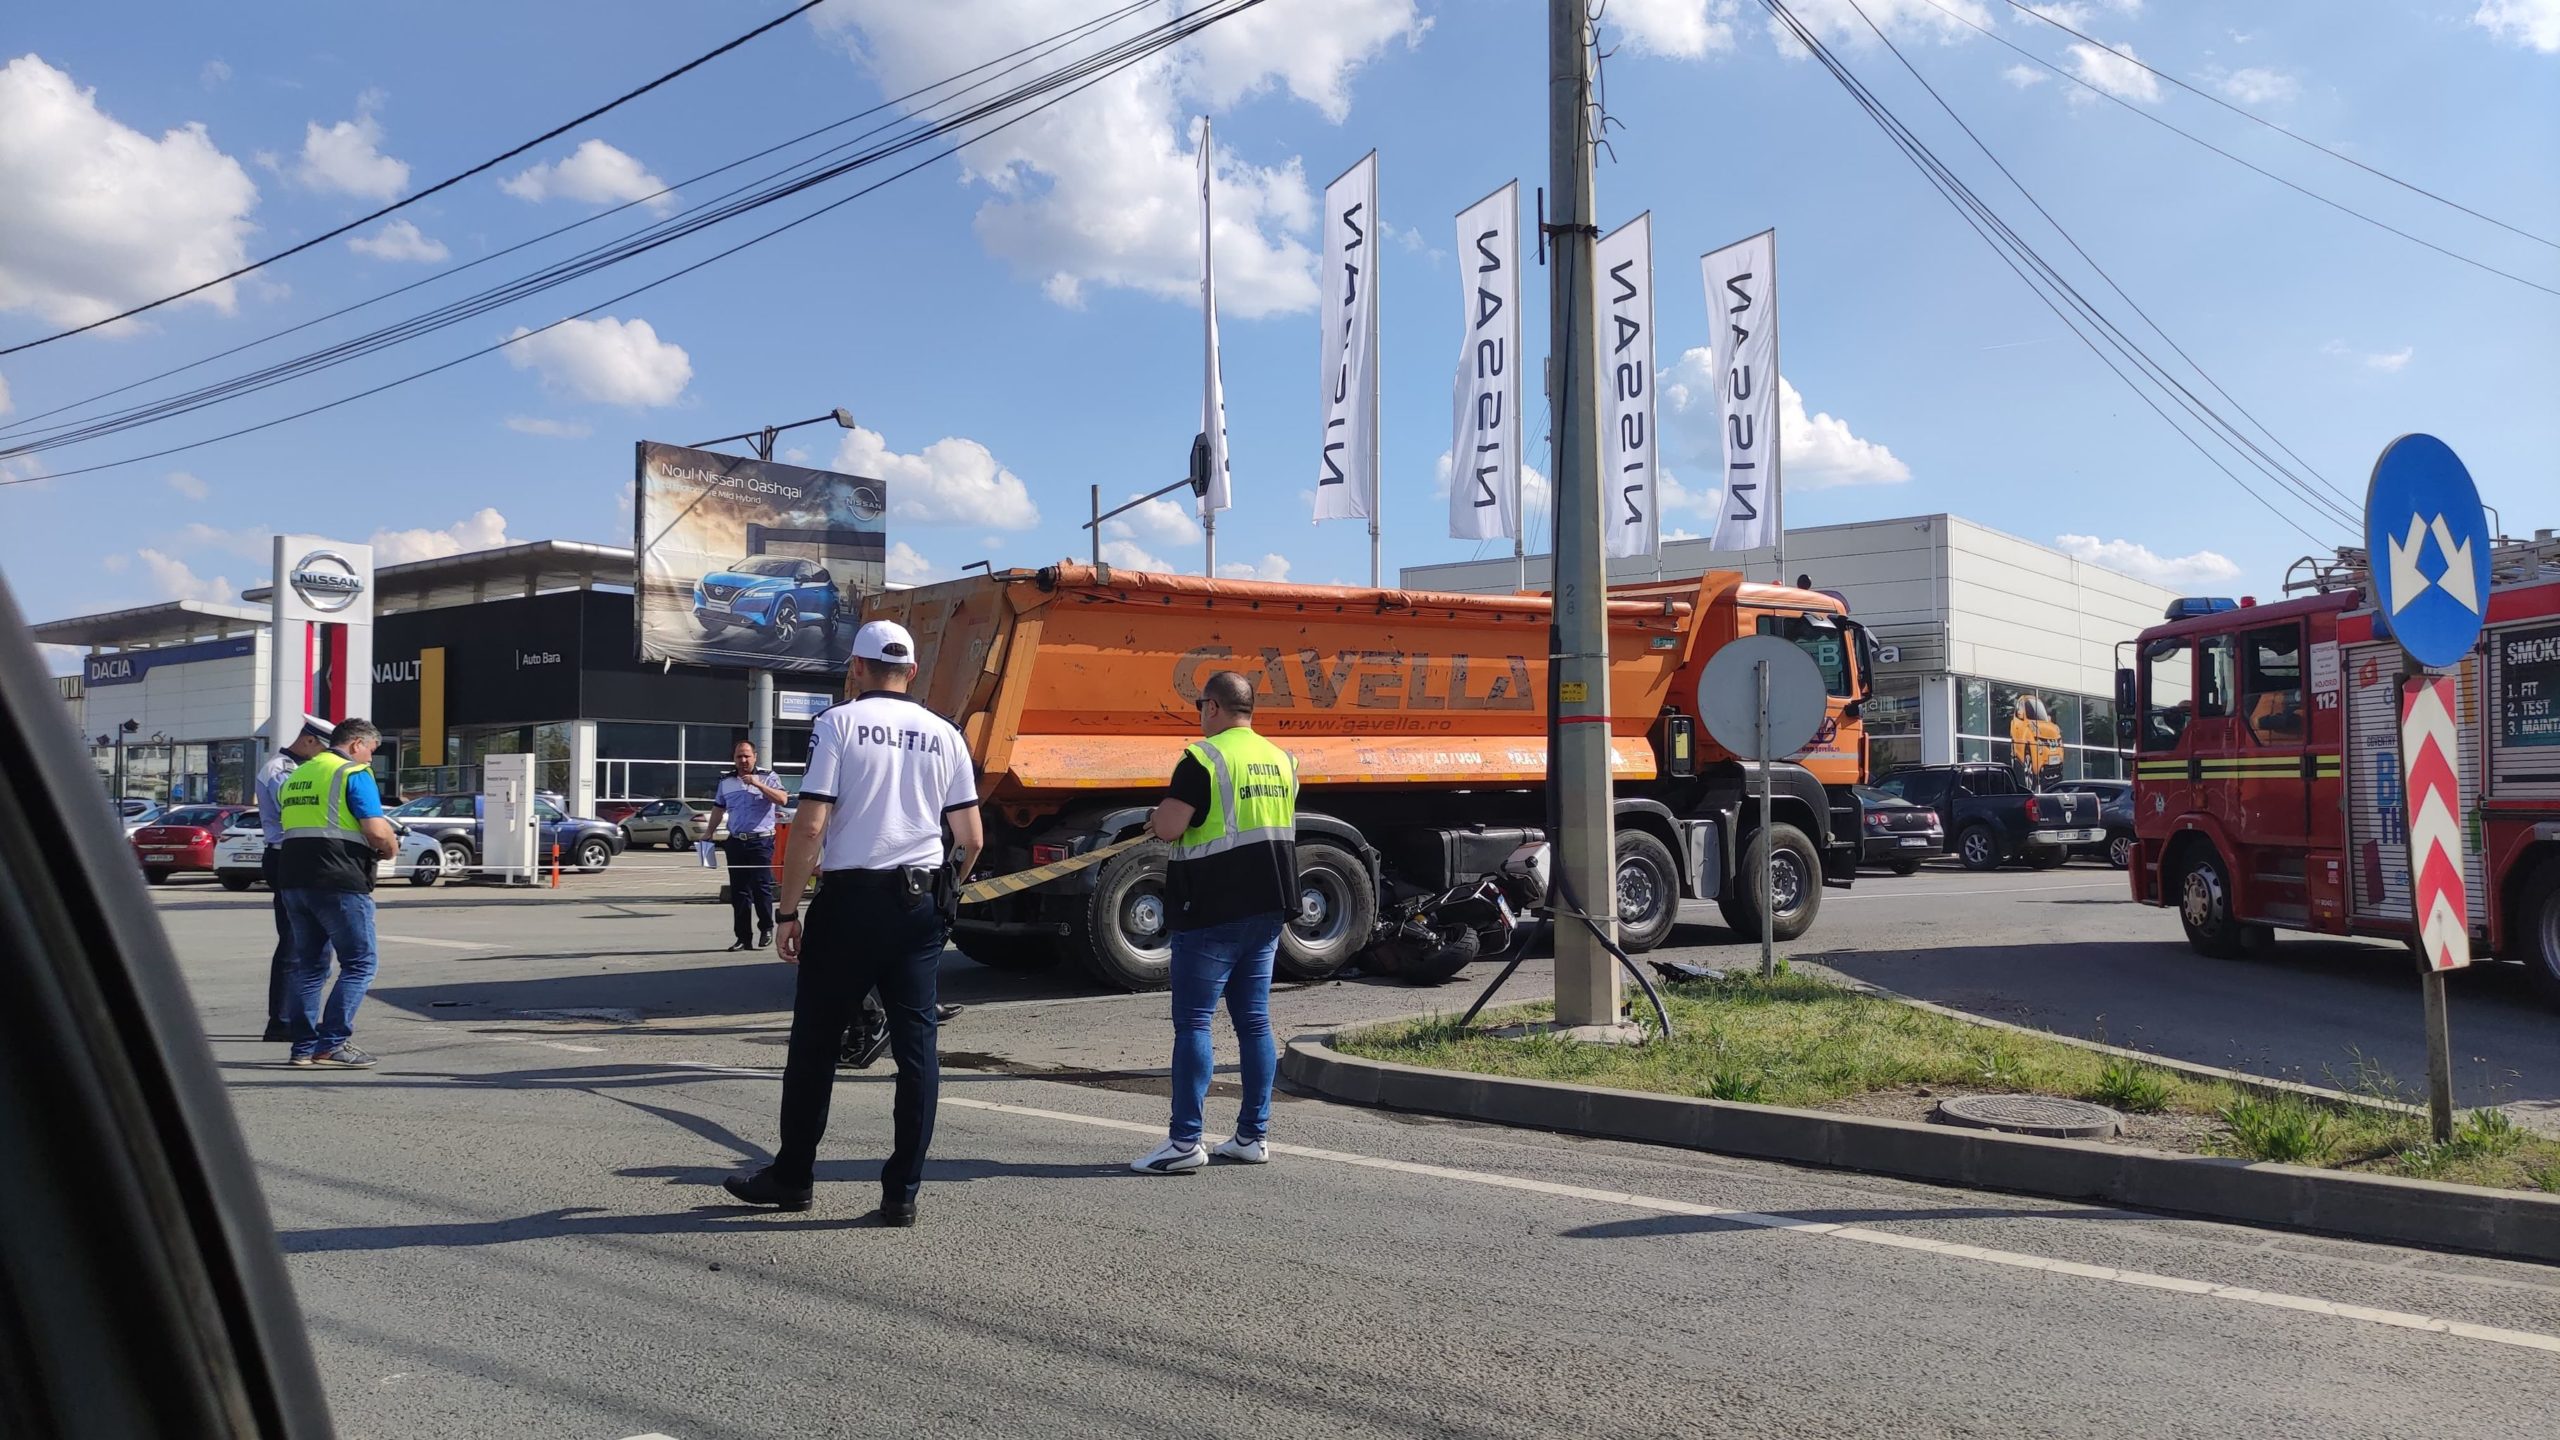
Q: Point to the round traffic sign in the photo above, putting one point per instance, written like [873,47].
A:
[2426,544]
[1729,697]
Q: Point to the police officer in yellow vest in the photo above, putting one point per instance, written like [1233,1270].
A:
[334,829]
[1232,816]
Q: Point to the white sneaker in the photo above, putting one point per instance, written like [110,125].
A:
[1171,1159]
[1243,1151]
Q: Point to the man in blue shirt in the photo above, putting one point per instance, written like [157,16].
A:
[749,797]
[334,829]
[310,740]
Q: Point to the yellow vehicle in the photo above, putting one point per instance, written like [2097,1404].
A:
[2035,742]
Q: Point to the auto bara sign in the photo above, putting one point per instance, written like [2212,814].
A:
[2427,548]
[754,564]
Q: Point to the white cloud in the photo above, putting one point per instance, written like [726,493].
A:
[909,568]
[1269,567]
[1680,533]
[5,405]
[596,173]
[2259,85]
[1818,450]
[247,544]
[950,482]
[2389,362]
[2175,572]
[188,485]
[2023,76]
[617,362]
[101,216]
[484,529]
[1533,484]
[1161,521]
[1839,20]
[347,157]
[1679,29]
[175,581]
[549,429]
[1100,190]
[399,240]
[2533,24]
[2113,71]
[1132,555]
[62,659]
[214,74]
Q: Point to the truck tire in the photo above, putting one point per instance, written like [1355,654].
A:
[1124,940]
[1648,892]
[2537,931]
[1796,881]
[1978,847]
[2204,908]
[1014,954]
[1337,914]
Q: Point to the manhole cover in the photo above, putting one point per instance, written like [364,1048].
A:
[2030,1115]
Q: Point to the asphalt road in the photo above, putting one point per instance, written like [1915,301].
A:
[512,1229]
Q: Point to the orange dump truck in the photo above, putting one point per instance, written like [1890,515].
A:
[1419,724]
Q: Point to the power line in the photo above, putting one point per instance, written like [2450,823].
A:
[445,184]
[2342,209]
[1087,74]
[2270,124]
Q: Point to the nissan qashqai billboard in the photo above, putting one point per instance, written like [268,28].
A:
[753,564]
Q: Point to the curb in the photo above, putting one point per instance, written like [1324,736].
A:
[2514,1225]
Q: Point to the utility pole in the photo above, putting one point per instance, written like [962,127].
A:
[1578,667]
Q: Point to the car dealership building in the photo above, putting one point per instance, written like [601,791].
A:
[523,649]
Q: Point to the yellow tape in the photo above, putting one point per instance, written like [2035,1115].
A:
[980,891]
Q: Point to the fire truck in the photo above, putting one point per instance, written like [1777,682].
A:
[2266,767]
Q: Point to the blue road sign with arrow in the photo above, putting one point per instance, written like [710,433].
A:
[2427,547]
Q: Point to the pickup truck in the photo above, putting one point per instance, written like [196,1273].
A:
[1992,818]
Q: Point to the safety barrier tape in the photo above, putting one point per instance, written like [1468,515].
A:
[980,891]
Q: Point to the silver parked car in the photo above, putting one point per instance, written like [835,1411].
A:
[675,824]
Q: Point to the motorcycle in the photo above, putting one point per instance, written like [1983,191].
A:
[1430,936]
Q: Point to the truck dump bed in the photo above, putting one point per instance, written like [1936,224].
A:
[1080,678]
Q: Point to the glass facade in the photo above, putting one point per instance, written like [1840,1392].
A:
[2087,722]
[215,772]
[1893,724]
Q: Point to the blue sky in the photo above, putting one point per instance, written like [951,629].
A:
[1014,328]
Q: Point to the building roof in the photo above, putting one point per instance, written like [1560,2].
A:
[172,622]
[527,569]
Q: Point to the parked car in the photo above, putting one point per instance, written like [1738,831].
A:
[773,595]
[181,840]
[2115,817]
[1898,834]
[675,824]
[237,856]
[618,811]
[138,814]
[1991,818]
[453,818]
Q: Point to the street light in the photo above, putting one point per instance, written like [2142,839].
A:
[762,439]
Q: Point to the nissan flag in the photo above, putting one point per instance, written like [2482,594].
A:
[1484,448]
[1347,308]
[1624,261]
[1742,304]
[1213,395]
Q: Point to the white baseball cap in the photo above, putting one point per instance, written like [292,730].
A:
[885,640]
[315,726]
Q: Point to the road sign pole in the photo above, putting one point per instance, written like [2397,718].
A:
[2439,1057]
[1768,852]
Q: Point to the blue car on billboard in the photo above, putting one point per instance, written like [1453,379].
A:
[774,595]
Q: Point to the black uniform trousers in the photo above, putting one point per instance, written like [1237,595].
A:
[282,1022]
[751,884]
[863,930]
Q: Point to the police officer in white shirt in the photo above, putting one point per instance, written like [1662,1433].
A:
[885,777]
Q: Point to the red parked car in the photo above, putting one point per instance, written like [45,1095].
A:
[618,811]
[182,839]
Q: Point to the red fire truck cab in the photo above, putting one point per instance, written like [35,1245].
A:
[2266,768]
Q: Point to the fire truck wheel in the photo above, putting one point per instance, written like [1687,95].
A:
[1795,881]
[2538,930]
[1978,846]
[1123,940]
[1648,885]
[2204,908]
[1336,918]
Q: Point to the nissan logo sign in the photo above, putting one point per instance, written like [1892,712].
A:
[866,503]
[326,581]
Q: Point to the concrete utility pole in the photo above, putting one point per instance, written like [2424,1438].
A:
[1578,692]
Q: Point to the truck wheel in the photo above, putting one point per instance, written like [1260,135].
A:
[2204,908]
[1336,918]
[1648,885]
[237,882]
[1795,883]
[1014,954]
[2538,930]
[1978,847]
[1123,940]
[2120,850]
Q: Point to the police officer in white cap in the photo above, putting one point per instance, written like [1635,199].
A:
[886,777]
[306,742]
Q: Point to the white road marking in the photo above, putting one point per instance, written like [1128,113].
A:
[572,1049]
[1969,894]
[438,944]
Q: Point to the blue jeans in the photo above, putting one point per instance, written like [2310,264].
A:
[322,919]
[1233,960]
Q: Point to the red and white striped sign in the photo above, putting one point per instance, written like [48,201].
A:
[2429,745]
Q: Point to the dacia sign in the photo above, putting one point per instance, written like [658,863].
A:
[130,666]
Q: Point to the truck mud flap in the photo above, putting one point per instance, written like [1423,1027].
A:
[1702,856]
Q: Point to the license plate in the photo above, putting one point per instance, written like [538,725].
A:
[2072,837]
[1916,840]
[157,850]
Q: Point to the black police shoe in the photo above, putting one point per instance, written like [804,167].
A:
[895,1214]
[277,1033]
[762,1189]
